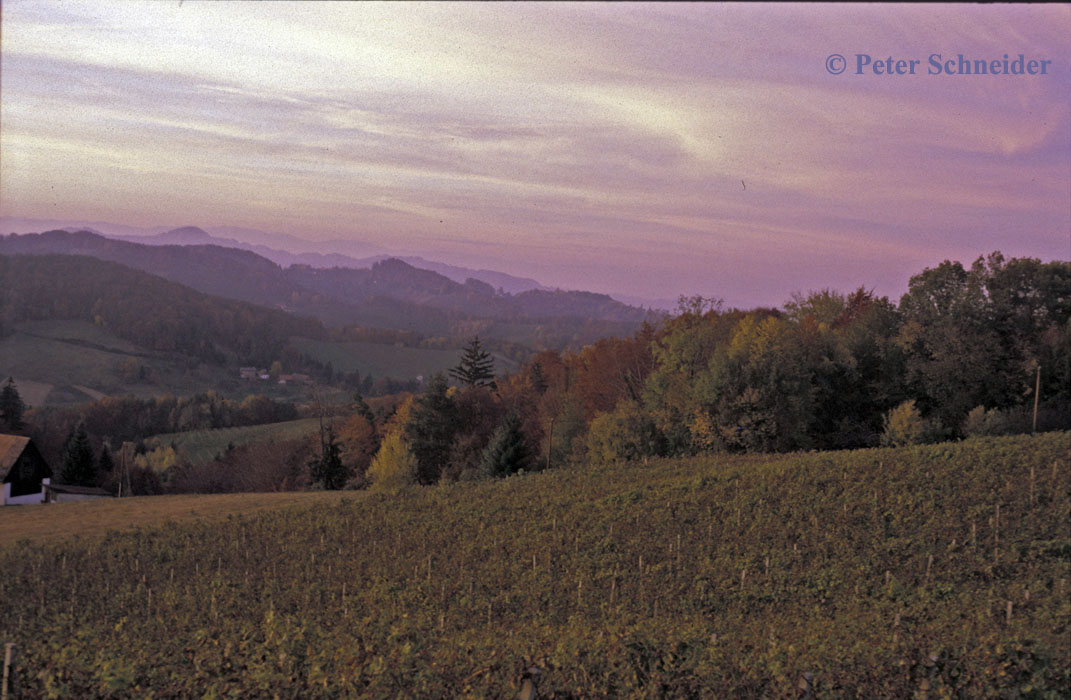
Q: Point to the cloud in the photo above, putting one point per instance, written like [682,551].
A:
[550,138]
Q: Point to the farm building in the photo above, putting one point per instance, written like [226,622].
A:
[23,470]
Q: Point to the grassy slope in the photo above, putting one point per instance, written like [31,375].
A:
[75,361]
[73,354]
[692,578]
[95,519]
[202,446]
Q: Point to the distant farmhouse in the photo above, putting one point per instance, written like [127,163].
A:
[295,379]
[28,478]
[24,471]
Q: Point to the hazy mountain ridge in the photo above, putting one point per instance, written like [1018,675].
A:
[282,249]
[389,294]
[193,235]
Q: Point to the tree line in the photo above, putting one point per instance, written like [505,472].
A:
[959,355]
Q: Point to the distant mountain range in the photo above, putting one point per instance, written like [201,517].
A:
[281,249]
[383,292]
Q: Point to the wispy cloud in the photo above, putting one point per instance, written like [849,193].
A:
[655,148]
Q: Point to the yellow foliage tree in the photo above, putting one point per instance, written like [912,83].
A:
[394,467]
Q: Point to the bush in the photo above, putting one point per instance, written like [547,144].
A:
[626,433]
[982,422]
[904,426]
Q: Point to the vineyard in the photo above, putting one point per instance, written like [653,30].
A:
[936,571]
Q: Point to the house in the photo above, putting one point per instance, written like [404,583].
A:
[247,373]
[64,493]
[295,379]
[23,470]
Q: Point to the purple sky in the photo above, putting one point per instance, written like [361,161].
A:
[650,150]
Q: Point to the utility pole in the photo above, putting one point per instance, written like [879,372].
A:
[1037,395]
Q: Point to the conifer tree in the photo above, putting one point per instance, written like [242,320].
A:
[508,451]
[477,367]
[11,406]
[538,379]
[329,470]
[430,430]
[105,465]
[79,467]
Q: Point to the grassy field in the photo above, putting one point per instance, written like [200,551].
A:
[940,571]
[381,360]
[202,446]
[94,519]
[81,362]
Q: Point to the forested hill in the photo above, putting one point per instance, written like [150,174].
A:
[224,272]
[146,310]
[399,280]
[391,294]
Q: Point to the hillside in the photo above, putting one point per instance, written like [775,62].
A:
[390,294]
[940,570]
[215,270]
[65,361]
[143,309]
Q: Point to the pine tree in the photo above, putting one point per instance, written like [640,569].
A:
[360,406]
[79,467]
[538,379]
[430,430]
[105,464]
[477,367]
[328,470]
[11,406]
[508,451]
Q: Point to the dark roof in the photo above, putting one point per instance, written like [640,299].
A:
[11,446]
[77,490]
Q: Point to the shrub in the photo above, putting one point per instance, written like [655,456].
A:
[982,422]
[626,433]
[904,426]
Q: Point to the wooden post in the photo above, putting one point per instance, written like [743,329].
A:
[996,534]
[550,441]
[1037,395]
[9,650]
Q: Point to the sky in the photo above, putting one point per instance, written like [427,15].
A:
[643,149]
